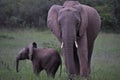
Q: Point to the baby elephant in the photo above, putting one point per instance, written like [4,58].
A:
[42,58]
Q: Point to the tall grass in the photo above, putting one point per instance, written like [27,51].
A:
[105,59]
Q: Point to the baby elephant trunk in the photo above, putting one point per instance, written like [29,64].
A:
[17,64]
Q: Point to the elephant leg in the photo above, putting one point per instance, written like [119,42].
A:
[54,69]
[90,50]
[36,68]
[51,68]
[91,36]
[83,55]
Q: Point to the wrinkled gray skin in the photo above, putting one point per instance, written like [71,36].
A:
[76,26]
[42,58]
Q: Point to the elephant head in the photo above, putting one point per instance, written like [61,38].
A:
[25,53]
[65,16]
[68,22]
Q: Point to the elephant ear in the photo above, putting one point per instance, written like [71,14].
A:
[84,19]
[52,20]
[34,44]
[31,47]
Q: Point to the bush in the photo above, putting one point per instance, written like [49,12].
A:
[33,13]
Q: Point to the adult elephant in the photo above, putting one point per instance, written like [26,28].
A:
[76,26]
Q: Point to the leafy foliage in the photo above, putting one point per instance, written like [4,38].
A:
[33,13]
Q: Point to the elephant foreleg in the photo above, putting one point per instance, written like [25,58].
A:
[77,65]
[83,55]
[90,50]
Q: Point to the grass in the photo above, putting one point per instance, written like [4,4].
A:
[105,59]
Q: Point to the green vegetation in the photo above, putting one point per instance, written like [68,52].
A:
[33,13]
[22,17]
[105,59]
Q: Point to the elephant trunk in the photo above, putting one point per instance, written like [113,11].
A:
[17,64]
[69,56]
[69,40]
